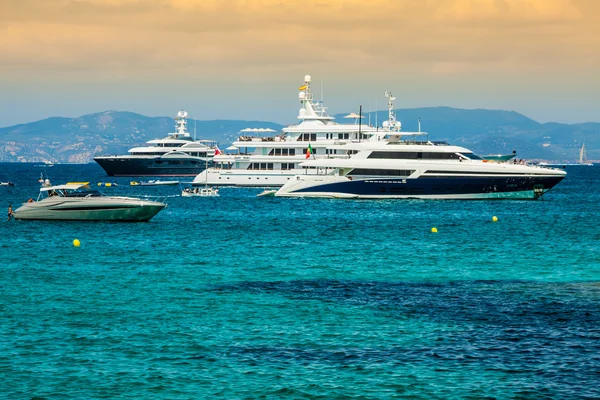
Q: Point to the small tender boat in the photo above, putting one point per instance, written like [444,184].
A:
[74,201]
[158,183]
[7,184]
[200,192]
[107,184]
[267,193]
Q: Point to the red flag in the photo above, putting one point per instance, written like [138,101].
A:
[217,151]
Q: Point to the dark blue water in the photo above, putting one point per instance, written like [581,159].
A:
[245,297]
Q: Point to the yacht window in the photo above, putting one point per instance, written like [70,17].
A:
[263,165]
[270,166]
[284,152]
[381,172]
[413,155]
[292,152]
[277,152]
[313,150]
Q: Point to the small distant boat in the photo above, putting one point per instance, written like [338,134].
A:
[267,193]
[200,192]
[583,157]
[154,183]
[7,184]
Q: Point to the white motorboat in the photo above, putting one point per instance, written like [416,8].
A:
[267,193]
[7,184]
[75,201]
[390,167]
[258,160]
[200,192]
[154,183]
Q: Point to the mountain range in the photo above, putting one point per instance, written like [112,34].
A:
[78,140]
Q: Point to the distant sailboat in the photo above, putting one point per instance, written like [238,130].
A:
[583,157]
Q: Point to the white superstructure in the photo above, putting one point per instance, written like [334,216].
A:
[274,160]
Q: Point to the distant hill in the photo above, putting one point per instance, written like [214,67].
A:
[114,132]
[78,140]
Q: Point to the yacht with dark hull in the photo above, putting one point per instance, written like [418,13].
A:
[176,155]
[393,164]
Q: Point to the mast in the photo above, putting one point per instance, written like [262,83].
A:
[582,154]
[359,122]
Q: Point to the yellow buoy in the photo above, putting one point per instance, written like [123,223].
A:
[434,229]
[76,243]
[494,219]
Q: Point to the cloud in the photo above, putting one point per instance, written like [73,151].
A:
[508,10]
[162,37]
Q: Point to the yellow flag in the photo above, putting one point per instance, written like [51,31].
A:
[303,87]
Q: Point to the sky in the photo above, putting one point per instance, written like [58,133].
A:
[244,59]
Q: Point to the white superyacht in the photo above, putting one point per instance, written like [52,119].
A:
[395,164]
[271,161]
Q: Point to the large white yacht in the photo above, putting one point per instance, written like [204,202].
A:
[396,164]
[176,155]
[274,160]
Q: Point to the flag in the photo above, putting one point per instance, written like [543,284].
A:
[303,87]
[217,151]
[308,151]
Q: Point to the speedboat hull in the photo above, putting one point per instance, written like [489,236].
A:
[465,188]
[90,209]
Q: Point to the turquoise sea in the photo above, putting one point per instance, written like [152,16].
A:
[240,297]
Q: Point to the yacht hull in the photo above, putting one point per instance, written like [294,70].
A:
[464,188]
[150,166]
[244,178]
[89,210]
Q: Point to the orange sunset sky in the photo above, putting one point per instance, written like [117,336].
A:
[244,59]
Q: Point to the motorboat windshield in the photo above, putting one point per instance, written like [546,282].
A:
[71,189]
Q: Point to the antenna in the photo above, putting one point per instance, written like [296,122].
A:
[194,129]
[359,121]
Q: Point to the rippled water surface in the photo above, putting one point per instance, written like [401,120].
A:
[245,297]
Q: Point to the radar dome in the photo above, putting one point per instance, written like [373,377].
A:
[302,112]
[307,78]
[301,95]
[185,114]
[180,114]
